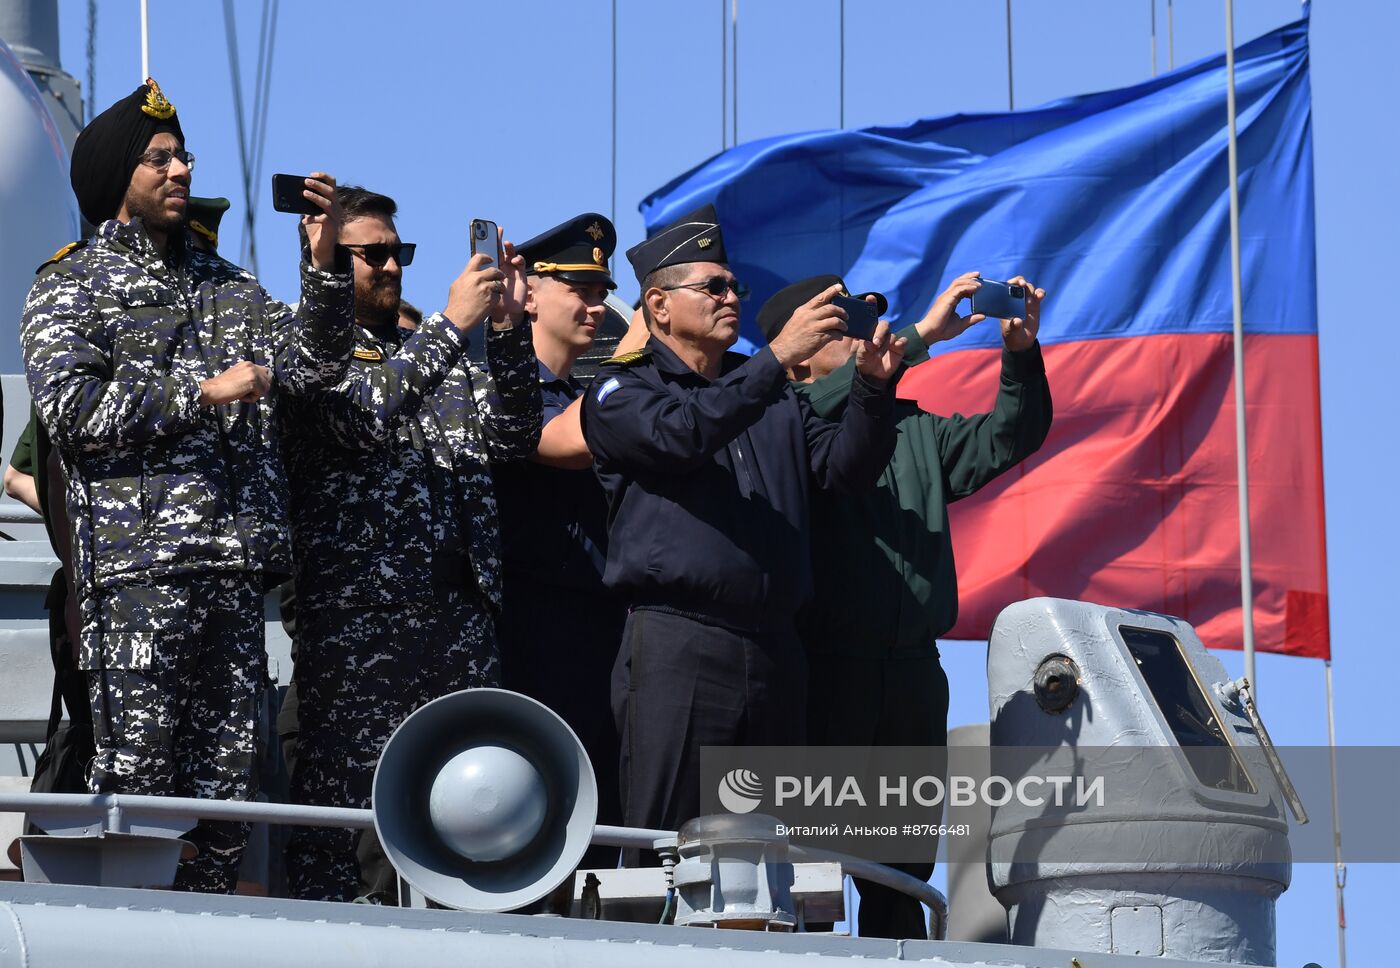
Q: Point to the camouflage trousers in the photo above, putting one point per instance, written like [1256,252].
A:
[359,673]
[174,668]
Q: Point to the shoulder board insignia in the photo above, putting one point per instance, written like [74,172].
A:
[62,253]
[627,359]
[366,353]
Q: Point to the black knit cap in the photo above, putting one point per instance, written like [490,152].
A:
[691,238]
[110,147]
[783,303]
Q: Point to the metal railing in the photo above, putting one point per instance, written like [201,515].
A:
[118,812]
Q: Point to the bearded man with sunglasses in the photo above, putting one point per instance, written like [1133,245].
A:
[394,523]
[708,459]
[160,372]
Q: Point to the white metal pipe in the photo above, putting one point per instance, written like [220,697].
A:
[104,805]
[891,877]
[1339,868]
[145,42]
[1237,292]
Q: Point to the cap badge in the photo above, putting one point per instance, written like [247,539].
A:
[595,232]
[703,243]
[599,257]
[157,105]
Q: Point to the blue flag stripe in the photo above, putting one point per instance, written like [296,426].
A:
[1115,202]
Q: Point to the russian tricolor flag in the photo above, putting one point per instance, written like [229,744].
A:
[1117,204]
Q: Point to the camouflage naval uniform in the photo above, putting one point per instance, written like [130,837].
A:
[177,511]
[398,557]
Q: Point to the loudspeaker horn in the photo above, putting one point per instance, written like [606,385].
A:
[484,800]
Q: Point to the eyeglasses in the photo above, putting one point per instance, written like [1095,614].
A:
[715,286]
[378,253]
[160,158]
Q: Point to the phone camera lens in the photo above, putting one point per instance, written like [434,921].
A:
[1017,292]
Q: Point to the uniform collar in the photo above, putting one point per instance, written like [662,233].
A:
[132,237]
[548,376]
[383,339]
[668,362]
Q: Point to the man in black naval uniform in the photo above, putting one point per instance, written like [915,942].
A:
[707,459]
[559,626]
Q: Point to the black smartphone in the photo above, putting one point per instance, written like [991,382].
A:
[287,196]
[486,237]
[1000,300]
[861,316]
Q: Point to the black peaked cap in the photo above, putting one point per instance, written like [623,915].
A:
[577,250]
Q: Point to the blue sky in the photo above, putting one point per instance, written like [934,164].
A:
[504,111]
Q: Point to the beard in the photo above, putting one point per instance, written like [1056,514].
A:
[377,301]
[151,212]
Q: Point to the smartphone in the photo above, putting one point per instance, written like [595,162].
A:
[487,238]
[287,196]
[1000,300]
[861,316]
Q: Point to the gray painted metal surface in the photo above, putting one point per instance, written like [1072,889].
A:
[974,913]
[1194,869]
[56,927]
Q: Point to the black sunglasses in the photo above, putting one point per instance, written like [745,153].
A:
[378,253]
[715,286]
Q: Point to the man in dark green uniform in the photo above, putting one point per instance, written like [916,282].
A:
[875,678]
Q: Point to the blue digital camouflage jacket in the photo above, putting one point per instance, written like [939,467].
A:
[392,493]
[116,343]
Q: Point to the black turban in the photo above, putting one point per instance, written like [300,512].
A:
[110,147]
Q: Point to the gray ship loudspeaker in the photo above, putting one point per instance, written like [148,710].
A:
[484,800]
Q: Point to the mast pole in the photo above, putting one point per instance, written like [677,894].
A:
[841,73]
[612,211]
[1237,293]
[723,78]
[1339,868]
[1153,6]
[145,42]
[734,66]
[1171,38]
[1010,79]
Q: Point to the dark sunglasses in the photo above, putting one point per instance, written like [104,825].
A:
[378,253]
[160,158]
[716,286]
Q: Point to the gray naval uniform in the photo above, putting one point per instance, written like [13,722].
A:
[177,511]
[397,555]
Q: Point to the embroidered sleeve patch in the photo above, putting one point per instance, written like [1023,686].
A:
[608,387]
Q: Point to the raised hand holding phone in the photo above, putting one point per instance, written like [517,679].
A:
[1020,333]
[313,198]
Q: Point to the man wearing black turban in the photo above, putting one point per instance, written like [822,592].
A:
[157,370]
[110,147]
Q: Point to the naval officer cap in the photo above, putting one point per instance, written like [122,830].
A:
[691,238]
[203,215]
[577,250]
[783,303]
